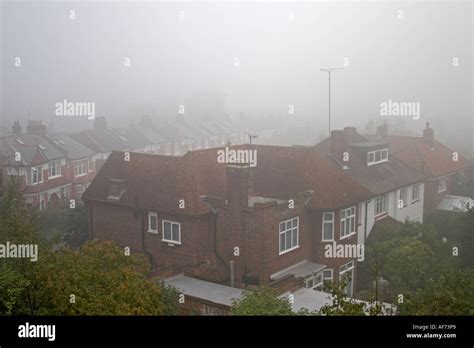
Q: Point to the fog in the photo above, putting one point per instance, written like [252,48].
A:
[228,58]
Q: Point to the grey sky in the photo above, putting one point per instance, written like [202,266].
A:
[191,61]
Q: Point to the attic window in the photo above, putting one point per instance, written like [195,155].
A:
[116,189]
[61,142]
[19,141]
[377,156]
[123,139]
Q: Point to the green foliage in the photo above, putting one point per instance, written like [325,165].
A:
[418,264]
[452,293]
[104,282]
[341,304]
[262,301]
[63,224]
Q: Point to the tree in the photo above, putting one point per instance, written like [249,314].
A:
[341,304]
[99,279]
[262,301]
[452,293]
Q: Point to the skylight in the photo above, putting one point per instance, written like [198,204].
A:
[19,141]
[41,147]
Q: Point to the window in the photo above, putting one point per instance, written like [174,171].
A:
[347,222]
[328,226]
[36,175]
[442,182]
[380,205]
[346,273]
[403,196]
[171,232]
[152,222]
[54,169]
[64,192]
[377,156]
[289,231]
[81,167]
[327,278]
[415,193]
[314,281]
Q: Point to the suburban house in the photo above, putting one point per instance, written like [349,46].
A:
[398,189]
[440,165]
[232,223]
[80,163]
[41,164]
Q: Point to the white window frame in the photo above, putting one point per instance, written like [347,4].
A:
[172,241]
[62,189]
[442,184]
[347,218]
[39,175]
[415,188]
[154,215]
[405,199]
[382,153]
[325,278]
[312,281]
[83,164]
[384,202]
[289,231]
[57,165]
[326,222]
[348,267]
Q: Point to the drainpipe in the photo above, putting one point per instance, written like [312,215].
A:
[232,273]
[365,218]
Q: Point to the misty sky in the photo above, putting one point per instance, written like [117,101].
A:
[281,48]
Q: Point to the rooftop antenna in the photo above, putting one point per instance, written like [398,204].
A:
[329,71]
[252,136]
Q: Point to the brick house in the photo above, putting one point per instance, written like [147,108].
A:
[440,165]
[231,223]
[50,167]
[397,188]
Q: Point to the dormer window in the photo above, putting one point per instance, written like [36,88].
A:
[116,189]
[377,156]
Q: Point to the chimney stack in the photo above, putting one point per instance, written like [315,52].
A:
[382,130]
[16,128]
[338,144]
[238,185]
[428,134]
[36,127]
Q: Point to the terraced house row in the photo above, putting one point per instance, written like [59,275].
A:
[213,228]
[61,165]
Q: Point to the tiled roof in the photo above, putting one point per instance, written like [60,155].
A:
[75,150]
[434,160]
[28,145]
[159,182]
[380,178]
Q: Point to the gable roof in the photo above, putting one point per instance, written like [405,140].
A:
[157,182]
[434,160]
